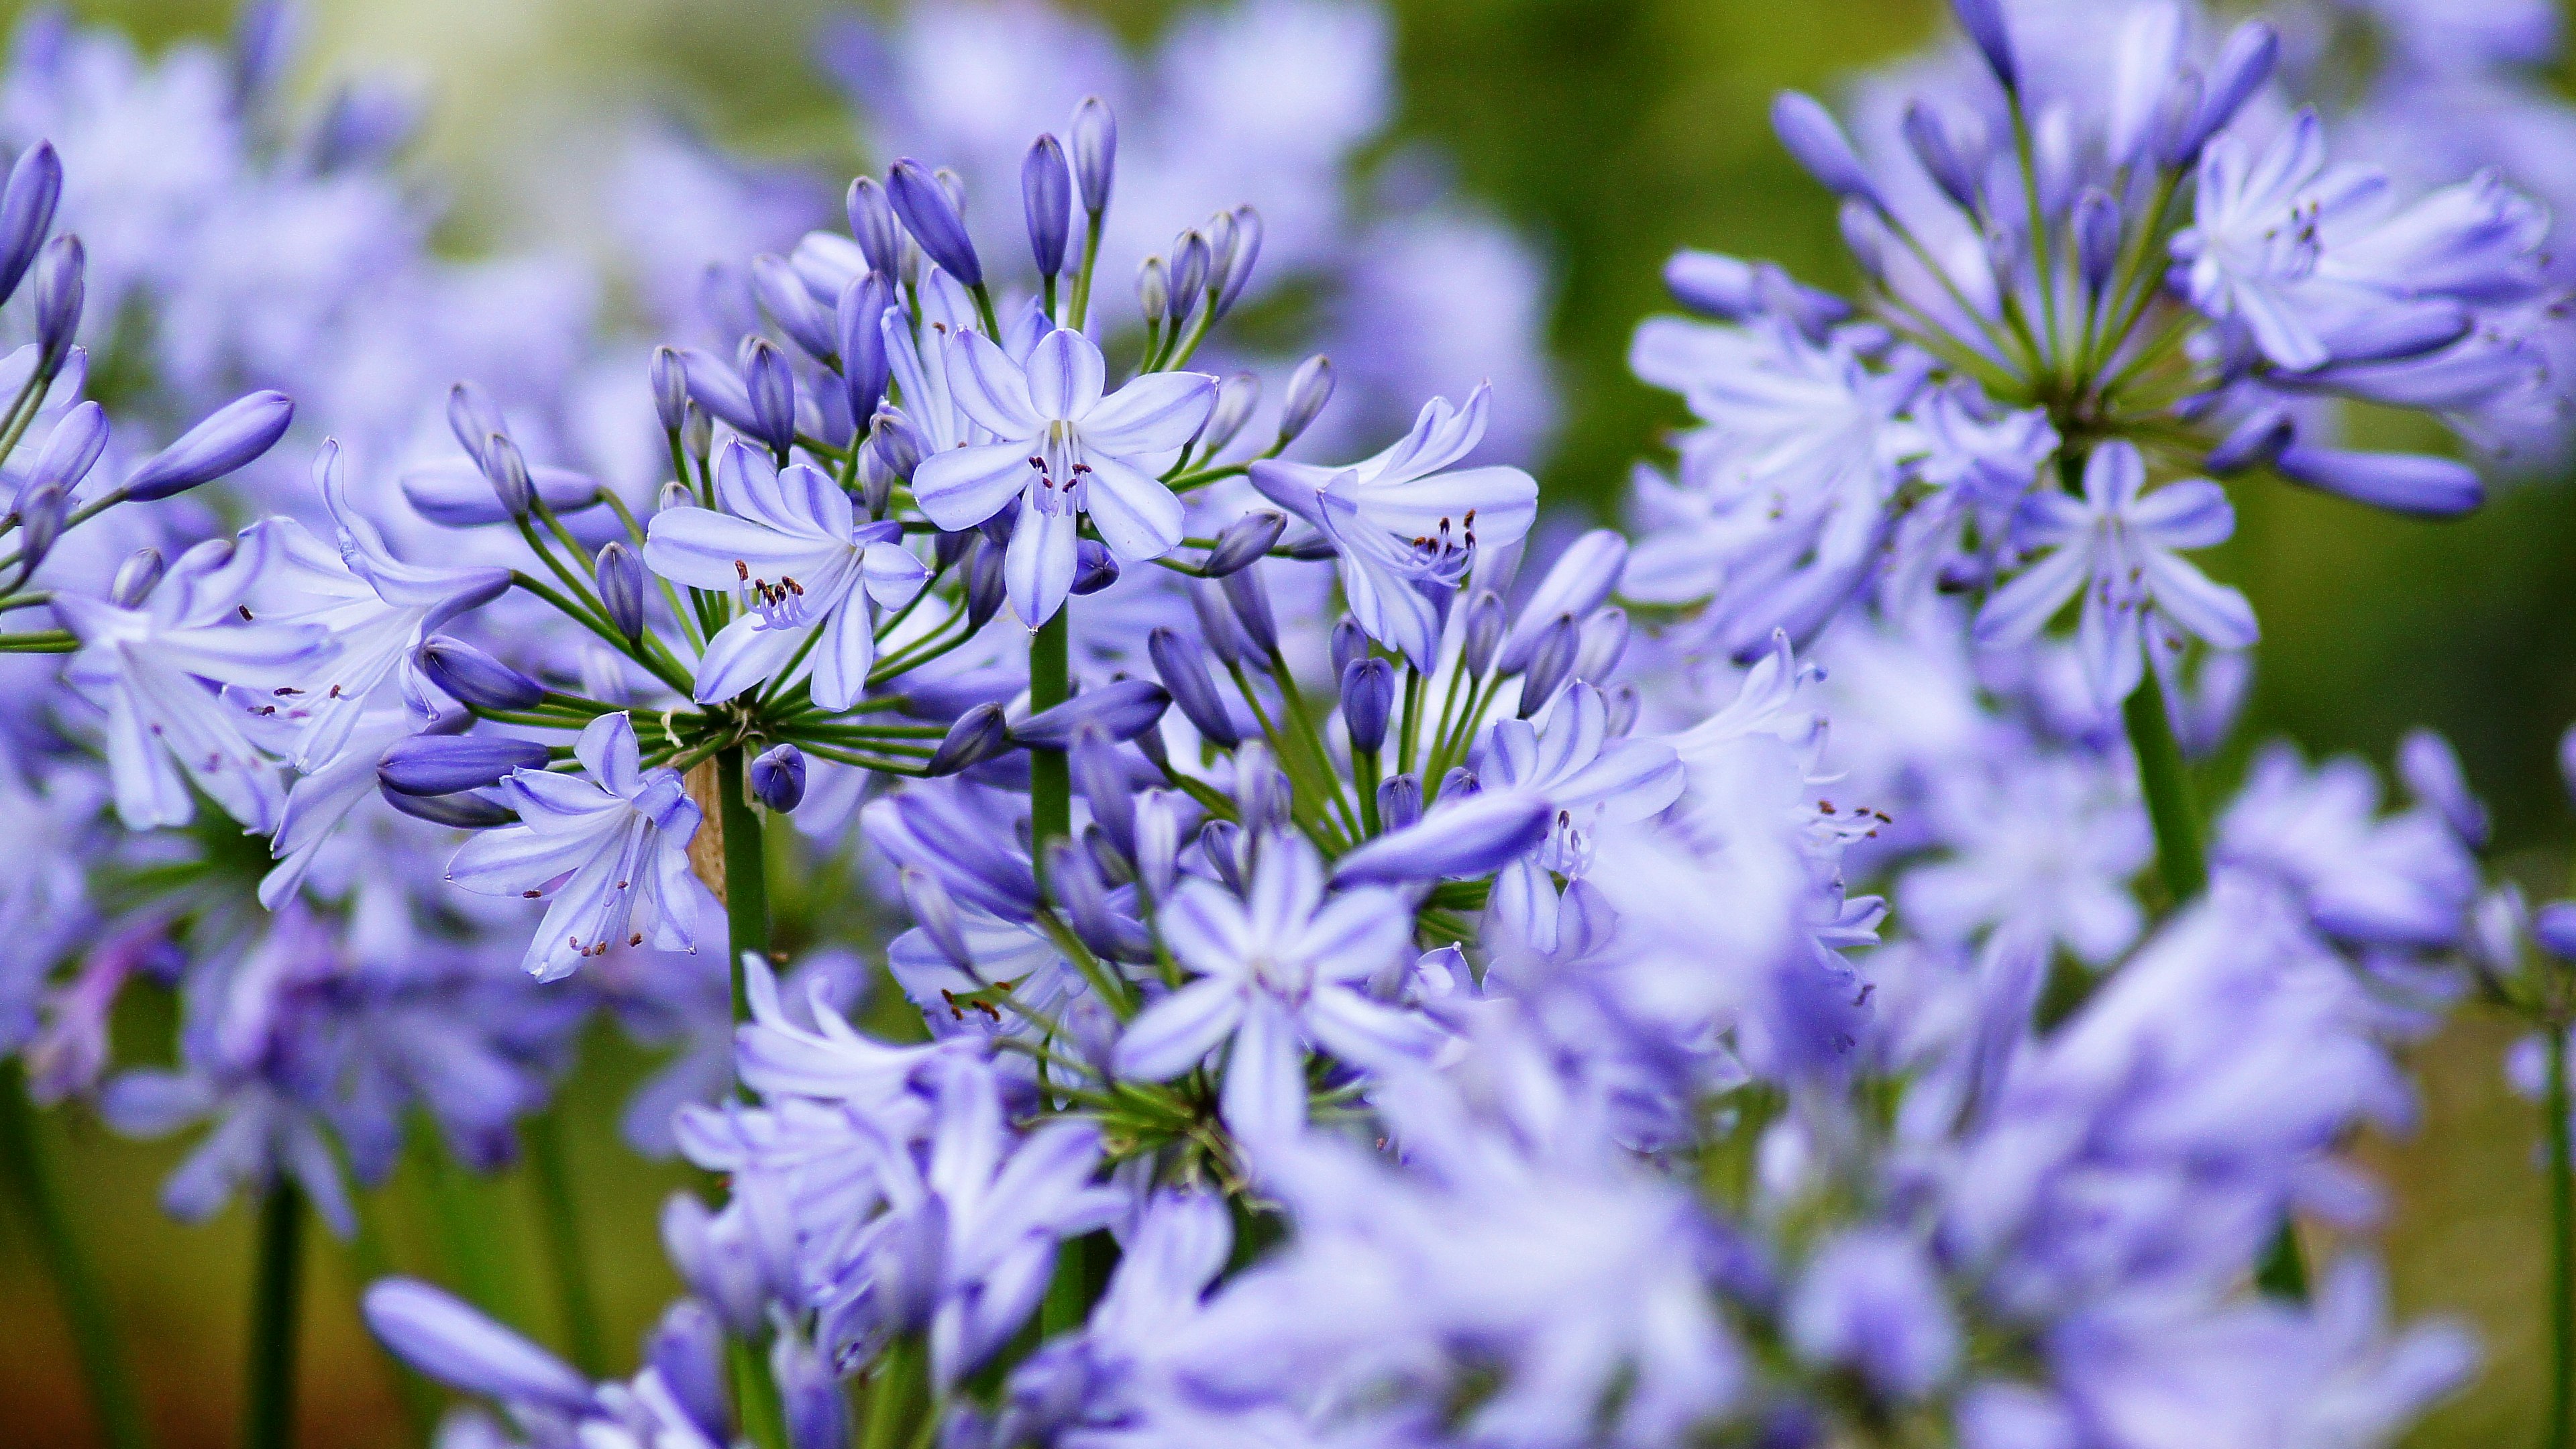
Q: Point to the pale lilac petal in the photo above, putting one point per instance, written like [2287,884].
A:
[2211,611]
[709,550]
[962,487]
[1367,1033]
[1155,413]
[1264,1098]
[1064,375]
[1137,516]
[1038,567]
[743,654]
[2020,609]
[1172,1035]
[990,388]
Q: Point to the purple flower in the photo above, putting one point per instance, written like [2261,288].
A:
[1586,779]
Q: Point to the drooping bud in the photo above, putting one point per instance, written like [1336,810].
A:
[1930,141]
[1551,663]
[72,448]
[1236,397]
[1123,710]
[770,385]
[135,577]
[1243,542]
[1474,837]
[507,471]
[620,576]
[27,211]
[445,764]
[1368,699]
[60,269]
[1153,290]
[1094,567]
[978,735]
[473,417]
[872,222]
[777,777]
[230,438]
[41,512]
[1251,603]
[931,216]
[1182,666]
[456,812]
[1983,20]
[1046,197]
[2416,483]
[1309,388]
[1095,152]
[476,678]
[448,1340]
[986,588]
[1816,141]
[1102,779]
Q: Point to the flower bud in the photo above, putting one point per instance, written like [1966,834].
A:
[41,511]
[864,365]
[770,385]
[1599,643]
[896,443]
[930,214]
[1095,152]
[686,1349]
[782,294]
[1983,20]
[1236,397]
[473,417]
[1575,584]
[978,735]
[1816,141]
[1865,237]
[1251,601]
[1221,841]
[620,576]
[59,287]
[1101,778]
[476,678]
[1153,290]
[697,433]
[1234,268]
[674,494]
[27,211]
[1182,666]
[778,777]
[1217,629]
[1476,836]
[135,577]
[670,389]
[1349,642]
[1123,710]
[985,586]
[810,1398]
[1263,797]
[2097,239]
[1076,886]
[230,438]
[2253,443]
[1551,663]
[1483,633]
[507,471]
[872,222]
[445,764]
[1621,711]
[1189,273]
[72,448]
[1094,567]
[2175,136]
[450,1341]
[1399,801]
[1046,197]
[935,912]
[1930,141]
[2243,64]
[2416,483]
[1243,542]
[456,812]
[1309,388]
[1368,699]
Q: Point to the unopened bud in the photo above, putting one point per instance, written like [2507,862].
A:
[620,576]
[777,777]
[935,912]
[1368,699]
[1550,665]
[978,735]
[135,577]
[473,417]
[1235,269]
[1153,290]
[1236,397]
[1095,153]
[1046,196]
[1309,388]
[60,269]
[1251,601]
[476,678]
[1094,567]
[1484,632]
[771,385]
[931,215]
[1243,542]
[506,469]
[27,211]
[872,222]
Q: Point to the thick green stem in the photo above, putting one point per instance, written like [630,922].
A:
[898,1393]
[268,1413]
[551,1174]
[84,1300]
[1050,776]
[746,874]
[755,1395]
[2166,782]
[2562,1266]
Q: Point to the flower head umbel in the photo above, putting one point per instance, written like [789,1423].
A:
[1065,451]
[609,851]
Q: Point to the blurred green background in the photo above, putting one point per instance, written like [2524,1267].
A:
[1611,133]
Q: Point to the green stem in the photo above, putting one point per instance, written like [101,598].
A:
[268,1415]
[755,1395]
[746,874]
[898,1393]
[1050,775]
[2283,1273]
[2562,1266]
[84,1299]
[2166,782]
[369,1260]
[552,1177]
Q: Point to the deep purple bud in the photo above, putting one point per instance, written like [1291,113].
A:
[1235,262]
[1551,664]
[985,586]
[687,1350]
[1221,841]
[2097,239]
[1349,642]
[864,366]
[1474,837]
[1095,152]
[783,295]
[2253,443]
[230,438]
[1368,698]
[1122,710]
[1483,633]
[135,578]
[1243,542]
[936,914]
[448,1340]
[1153,290]
[1309,388]
[2415,483]
[1577,583]
[445,764]
[1182,665]
[1189,272]
[41,511]
[507,471]
[778,777]
[932,218]
[27,212]
[1816,141]
[620,577]
[1599,643]
[1101,777]
[978,735]
[476,678]
[872,222]
[1983,20]
[1236,397]
[1930,141]
[1251,601]
[1094,567]
[72,448]
[59,286]
[1399,801]
[1046,195]
[770,385]
[473,417]
[2243,64]
[456,812]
